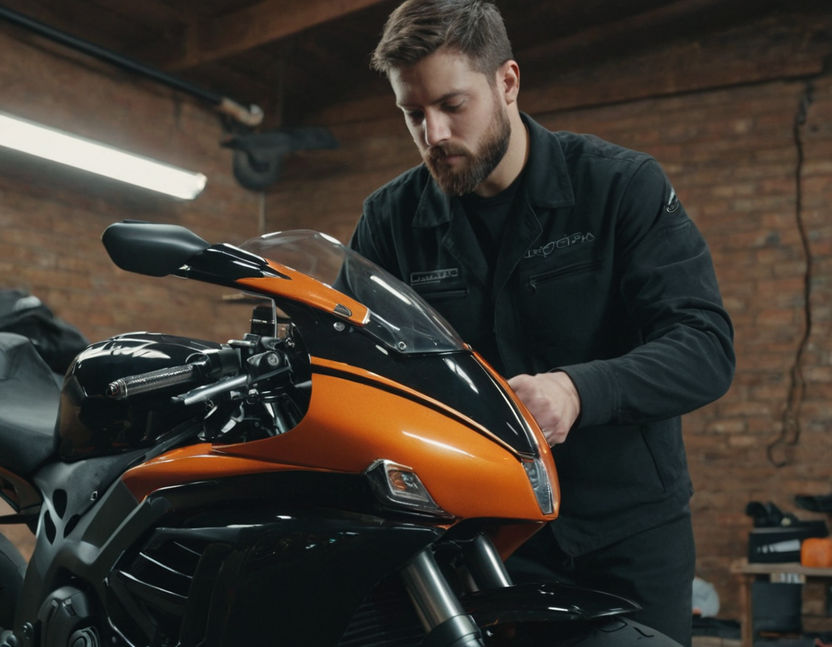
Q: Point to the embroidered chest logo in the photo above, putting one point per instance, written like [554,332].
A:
[434,276]
[563,242]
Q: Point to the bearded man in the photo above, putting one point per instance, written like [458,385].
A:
[569,263]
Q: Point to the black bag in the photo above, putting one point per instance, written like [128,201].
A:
[56,341]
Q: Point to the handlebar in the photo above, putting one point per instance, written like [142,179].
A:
[222,368]
[211,364]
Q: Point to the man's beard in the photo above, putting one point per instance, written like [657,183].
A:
[477,165]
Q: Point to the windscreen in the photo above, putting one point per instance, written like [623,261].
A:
[399,317]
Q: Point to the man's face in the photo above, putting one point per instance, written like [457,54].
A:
[455,117]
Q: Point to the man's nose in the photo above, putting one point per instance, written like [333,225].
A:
[437,128]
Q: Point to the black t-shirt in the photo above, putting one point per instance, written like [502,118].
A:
[490,220]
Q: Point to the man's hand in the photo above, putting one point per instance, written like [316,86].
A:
[552,399]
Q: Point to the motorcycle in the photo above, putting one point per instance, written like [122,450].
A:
[347,473]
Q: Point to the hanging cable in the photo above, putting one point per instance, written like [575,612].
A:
[790,422]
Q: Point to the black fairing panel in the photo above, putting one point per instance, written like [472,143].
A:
[91,424]
[245,560]
[457,379]
[300,578]
[259,573]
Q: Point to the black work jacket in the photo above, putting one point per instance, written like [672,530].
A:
[601,274]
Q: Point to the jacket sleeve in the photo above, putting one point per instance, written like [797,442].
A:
[667,281]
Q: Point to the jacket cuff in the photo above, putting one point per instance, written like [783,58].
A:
[596,388]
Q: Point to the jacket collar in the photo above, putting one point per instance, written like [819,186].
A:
[547,176]
[547,180]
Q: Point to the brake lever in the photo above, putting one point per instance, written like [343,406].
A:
[207,392]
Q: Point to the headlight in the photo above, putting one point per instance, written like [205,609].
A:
[542,486]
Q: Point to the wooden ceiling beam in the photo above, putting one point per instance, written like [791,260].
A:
[601,33]
[146,12]
[223,36]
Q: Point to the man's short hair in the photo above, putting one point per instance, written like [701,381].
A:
[418,28]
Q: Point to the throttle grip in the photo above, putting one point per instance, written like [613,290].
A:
[159,380]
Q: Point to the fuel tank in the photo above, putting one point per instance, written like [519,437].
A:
[92,424]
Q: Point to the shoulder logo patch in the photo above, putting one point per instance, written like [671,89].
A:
[672,202]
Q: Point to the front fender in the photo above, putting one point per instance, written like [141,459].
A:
[546,602]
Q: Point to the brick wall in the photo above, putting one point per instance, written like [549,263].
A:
[51,218]
[718,111]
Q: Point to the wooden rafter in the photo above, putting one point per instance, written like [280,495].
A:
[225,35]
[600,33]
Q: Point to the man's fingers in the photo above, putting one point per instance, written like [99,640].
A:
[553,401]
[554,435]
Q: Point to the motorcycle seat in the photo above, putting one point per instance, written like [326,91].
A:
[29,397]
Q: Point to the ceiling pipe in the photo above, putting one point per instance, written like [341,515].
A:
[249,116]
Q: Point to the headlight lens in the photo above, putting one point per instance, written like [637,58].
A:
[542,486]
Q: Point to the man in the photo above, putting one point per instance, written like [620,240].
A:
[570,264]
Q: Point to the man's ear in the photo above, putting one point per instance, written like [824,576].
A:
[508,80]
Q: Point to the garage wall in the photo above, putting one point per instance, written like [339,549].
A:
[51,218]
[740,119]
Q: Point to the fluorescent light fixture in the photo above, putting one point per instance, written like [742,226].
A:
[28,137]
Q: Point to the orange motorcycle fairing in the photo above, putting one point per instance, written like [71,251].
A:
[356,418]
[303,289]
[349,426]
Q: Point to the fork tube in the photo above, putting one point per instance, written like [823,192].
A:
[438,608]
[486,565]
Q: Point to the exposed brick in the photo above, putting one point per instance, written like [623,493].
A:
[727,425]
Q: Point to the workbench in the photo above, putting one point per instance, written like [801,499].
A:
[748,572]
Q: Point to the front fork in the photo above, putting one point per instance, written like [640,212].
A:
[442,616]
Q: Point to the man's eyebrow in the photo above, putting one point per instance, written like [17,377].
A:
[442,99]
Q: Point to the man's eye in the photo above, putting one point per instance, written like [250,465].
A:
[452,107]
[415,116]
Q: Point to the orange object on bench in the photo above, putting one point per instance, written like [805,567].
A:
[816,552]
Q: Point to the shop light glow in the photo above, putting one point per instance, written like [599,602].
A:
[48,143]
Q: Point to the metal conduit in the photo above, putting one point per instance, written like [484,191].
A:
[251,116]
